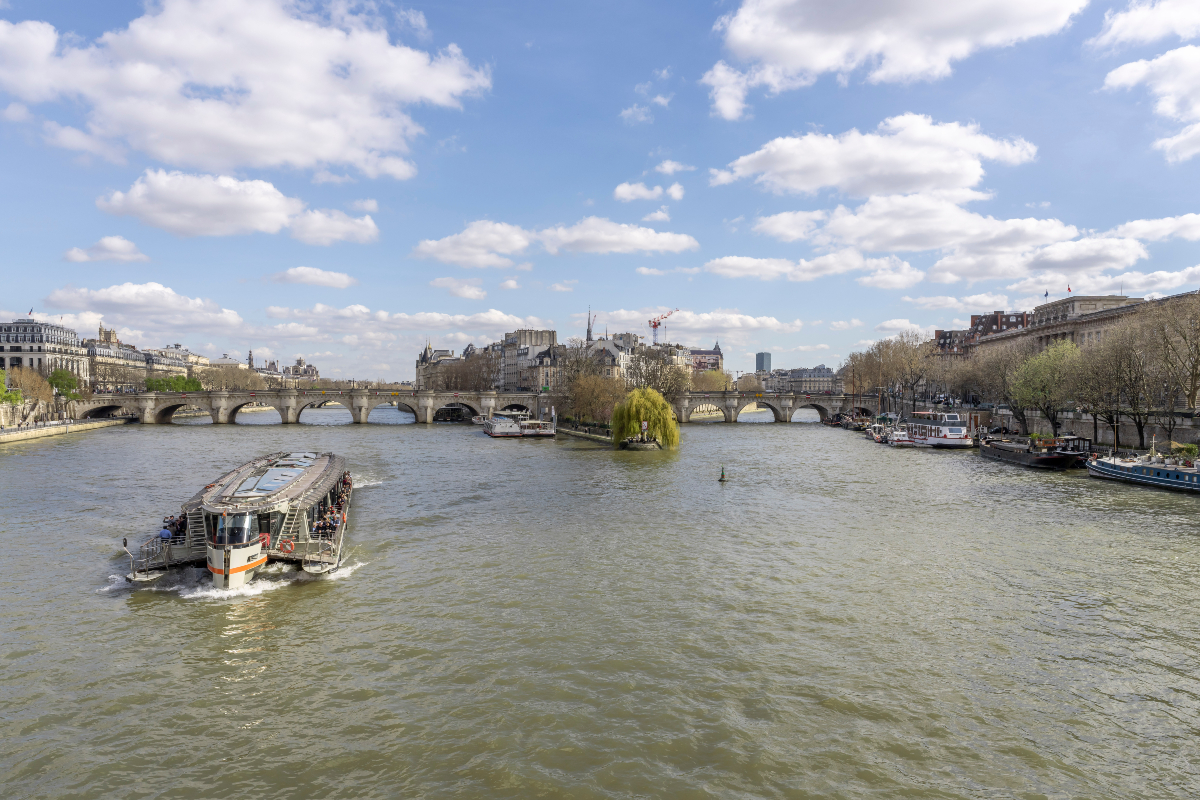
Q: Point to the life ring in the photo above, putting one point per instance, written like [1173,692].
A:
[286,545]
[264,539]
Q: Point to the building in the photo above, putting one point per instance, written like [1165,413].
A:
[302,370]
[762,362]
[542,370]
[115,366]
[179,352]
[777,380]
[27,343]
[952,343]
[997,322]
[521,346]
[704,360]
[816,380]
[1076,319]
[226,361]
[428,364]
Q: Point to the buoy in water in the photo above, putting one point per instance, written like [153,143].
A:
[722,479]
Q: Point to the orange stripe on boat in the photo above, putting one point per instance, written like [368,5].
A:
[243,568]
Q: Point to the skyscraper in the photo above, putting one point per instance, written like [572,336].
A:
[762,362]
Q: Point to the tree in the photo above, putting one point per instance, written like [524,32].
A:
[231,378]
[911,355]
[712,380]
[1095,385]
[31,385]
[1043,381]
[1176,327]
[7,396]
[645,405]
[593,397]
[749,383]
[995,368]
[175,383]
[476,372]
[654,368]
[63,381]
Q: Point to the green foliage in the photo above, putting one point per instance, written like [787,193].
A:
[645,404]
[63,381]
[175,383]
[1185,450]
[7,396]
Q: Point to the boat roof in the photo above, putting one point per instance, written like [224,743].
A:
[271,479]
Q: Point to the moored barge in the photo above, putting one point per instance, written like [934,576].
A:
[1028,454]
[288,507]
[1150,470]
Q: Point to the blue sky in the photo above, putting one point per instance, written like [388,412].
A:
[344,180]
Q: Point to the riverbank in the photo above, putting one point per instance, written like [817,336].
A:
[59,430]
[584,434]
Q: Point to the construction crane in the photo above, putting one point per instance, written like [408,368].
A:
[657,321]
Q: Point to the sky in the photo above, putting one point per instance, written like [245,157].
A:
[344,181]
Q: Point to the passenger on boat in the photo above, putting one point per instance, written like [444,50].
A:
[165,533]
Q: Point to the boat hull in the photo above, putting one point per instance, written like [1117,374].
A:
[1158,475]
[1035,460]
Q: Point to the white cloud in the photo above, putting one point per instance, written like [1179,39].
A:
[70,138]
[835,263]
[218,205]
[16,112]
[790,225]
[315,277]
[675,191]
[678,270]
[908,153]
[484,243]
[599,235]
[649,271]
[636,114]
[109,248]
[670,167]
[1129,283]
[481,244]
[357,318]
[658,216]
[662,100]
[725,324]
[1145,22]
[809,348]
[790,43]
[368,206]
[979,302]
[326,227]
[231,83]
[1174,78]
[627,192]
[894,274]
[468,289]
[150,307]
[1185,226]
[845,325]
[897,326]
[563,287]
[511,283]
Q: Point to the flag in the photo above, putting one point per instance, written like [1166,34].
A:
[1068,288]
[1047,294]
[31,311]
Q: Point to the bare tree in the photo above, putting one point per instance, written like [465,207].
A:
[1043,381]
[654,368]
[1095,385]
[996,369]
[1175,324]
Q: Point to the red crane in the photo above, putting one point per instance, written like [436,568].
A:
[654,323]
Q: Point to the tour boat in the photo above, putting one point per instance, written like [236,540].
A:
[537,429]
[898,437]
[939,429]
[1148,470]
[479,419]
[499,427]
[272,508]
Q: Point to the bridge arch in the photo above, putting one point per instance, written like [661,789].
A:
[470,409]
[101,411]
[776,408]
[821,410]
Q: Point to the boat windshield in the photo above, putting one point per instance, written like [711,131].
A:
[236,529]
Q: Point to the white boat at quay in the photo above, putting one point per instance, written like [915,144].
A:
[288,507]
[939,429]
[504,427]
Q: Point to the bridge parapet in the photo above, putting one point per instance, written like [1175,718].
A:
[782,404]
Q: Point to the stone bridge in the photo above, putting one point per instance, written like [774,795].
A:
[223,405]
[782,404]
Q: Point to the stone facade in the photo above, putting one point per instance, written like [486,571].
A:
[44,346]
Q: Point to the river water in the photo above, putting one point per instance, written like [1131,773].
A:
[555,619]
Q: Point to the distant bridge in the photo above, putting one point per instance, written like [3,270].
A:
[157,408]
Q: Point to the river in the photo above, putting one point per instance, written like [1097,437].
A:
[554,619]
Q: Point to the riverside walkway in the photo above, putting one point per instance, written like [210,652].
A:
[157,408]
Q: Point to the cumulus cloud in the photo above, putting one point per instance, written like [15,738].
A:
[728,324]
[368,205]
[677,270]
[836,263]
[481,244]
[149,307]
[1174,79]
[892,274]
[1145,22]
[1128,283]
[908,153]
[675,191]
[468,289]
[790,43]
[109,248]
[357,319]
[845,325]
[636,114]
[627,192]
[564,286]
[315,277]
[259,83]
[670,167]
[658,216]
[218,205]
[599,235]
[16,112]
[1186,226]
[511,283]
[979,302]
[898,326]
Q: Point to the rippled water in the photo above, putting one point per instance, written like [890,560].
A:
[554,619]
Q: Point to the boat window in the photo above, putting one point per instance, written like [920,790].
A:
[236,529]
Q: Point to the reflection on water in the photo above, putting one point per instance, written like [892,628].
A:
[525,618]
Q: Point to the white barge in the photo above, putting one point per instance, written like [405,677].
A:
[289,507]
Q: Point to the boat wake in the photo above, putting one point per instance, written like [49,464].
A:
[194,584]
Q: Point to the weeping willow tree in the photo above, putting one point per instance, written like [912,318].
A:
[645,405]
